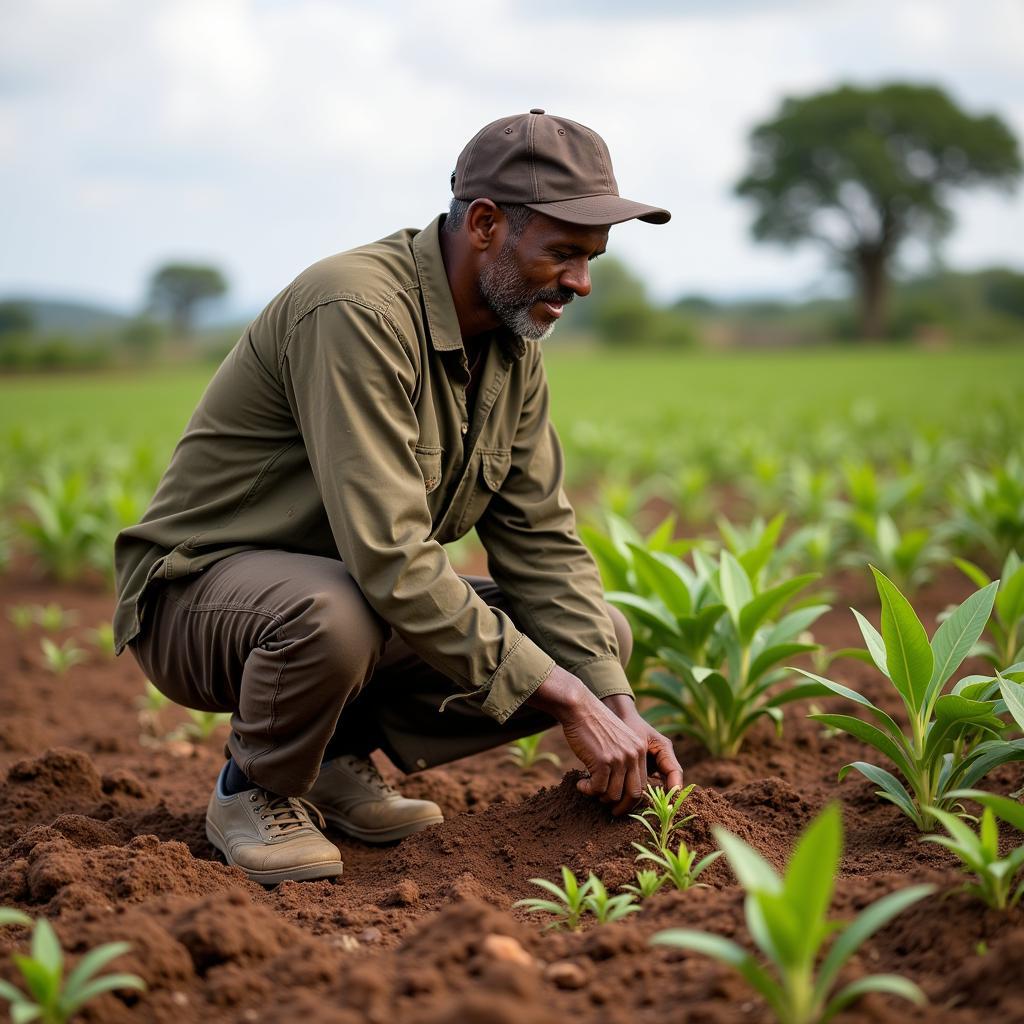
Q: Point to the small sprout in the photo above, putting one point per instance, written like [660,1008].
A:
[678,866]
[60,659]
[51,998]
[524,753]
[608,908]
[202,724]
[53,618]
[665,810]
[152,699]
[102,637]
[569,904]
[647,883]
[22,615]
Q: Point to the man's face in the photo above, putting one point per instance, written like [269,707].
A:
[529,280]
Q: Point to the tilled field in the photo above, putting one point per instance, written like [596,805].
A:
[103,833]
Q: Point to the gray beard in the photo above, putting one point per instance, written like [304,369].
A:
[509,299]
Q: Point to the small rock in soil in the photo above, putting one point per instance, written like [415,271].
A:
[503,948]
[566,974]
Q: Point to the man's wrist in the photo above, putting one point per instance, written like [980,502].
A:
[561,695]
[620,703]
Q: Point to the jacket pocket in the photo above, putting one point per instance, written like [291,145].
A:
[429,461]
[494,467]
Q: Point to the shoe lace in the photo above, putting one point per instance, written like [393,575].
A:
[367,771]
[289,813]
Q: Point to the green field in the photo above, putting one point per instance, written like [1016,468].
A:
[630,392]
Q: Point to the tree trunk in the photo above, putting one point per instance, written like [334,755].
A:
[873,289]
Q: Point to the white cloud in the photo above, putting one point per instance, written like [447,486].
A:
[265,134]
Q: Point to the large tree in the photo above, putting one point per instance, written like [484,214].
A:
[861,170]
[177,289]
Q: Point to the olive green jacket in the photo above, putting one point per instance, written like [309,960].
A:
[338,426]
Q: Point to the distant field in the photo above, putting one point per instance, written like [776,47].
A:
[633,391]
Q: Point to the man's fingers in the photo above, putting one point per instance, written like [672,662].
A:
[613,791]
[631,792]
[670,768]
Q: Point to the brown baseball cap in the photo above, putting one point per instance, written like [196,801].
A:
[550,164]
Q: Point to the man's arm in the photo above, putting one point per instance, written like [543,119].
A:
[349,377]
[554,590]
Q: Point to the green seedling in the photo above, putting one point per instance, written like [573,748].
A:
[23,616]
[1006,627]
[979,852]
[954,738]
[907,557]
[102,638]
[524,753]
[59,659]
[647,883]
[52,618]
[678,865]
[569,903]
[152,700]
[202,724]
[718,630]
[664,809]
[990,506]
[52,999]
[604,907]
[787,918]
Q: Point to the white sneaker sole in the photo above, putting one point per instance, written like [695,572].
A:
[305,873]
[379,835]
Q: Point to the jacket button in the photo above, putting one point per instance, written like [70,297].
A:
[464,428]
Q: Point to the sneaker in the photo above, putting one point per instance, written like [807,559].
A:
[271,838]
[352,796]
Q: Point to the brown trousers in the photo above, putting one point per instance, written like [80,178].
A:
[288,645]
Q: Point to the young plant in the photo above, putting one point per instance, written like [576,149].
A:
[22,616]
[990,506]
[788,921]
[678,866]
[664,809]
[907,557]
[979,852]
[52,999]
[1006,627]
[569,903]
[102,637]
[524,753]
[647,883]
[604,907]
[719,632]
[52,618]
[954,738]
[60,659]
[202,724]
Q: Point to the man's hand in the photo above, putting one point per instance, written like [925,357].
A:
[611,740]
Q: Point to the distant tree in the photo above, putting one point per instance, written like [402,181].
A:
[859,171]
[177,289]
[15,318]
[1004,291]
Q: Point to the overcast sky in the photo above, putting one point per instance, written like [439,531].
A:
[262,135]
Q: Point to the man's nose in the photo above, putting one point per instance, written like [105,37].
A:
[577,277]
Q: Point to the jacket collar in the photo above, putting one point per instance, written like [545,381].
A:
[442,320]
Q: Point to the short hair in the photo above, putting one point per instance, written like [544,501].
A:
[517,215]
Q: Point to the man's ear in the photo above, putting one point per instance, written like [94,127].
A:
[484,222]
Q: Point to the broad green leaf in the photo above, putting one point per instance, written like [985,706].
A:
[41,983]
[862,927]
[892,789]
[873,640]
[735,586]
[8,915]
[717,684]
[93,962]
[1004,807]
[23,1013]
[804,691]
[649,612]
[844,691]
[972,572]
[610,560]
[987,756]
[106,983]
[752,871]
[1010,600]
[1013,694]
[46,948]
[763,606]
[908,655]
[793,624]
[890,984]
[870,734]
[773,655]
[810,874]
[10,993]
[663,580]
[957,635]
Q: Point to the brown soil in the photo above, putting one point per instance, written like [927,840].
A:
[101,831]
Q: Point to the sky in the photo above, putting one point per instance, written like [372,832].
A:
[262,135]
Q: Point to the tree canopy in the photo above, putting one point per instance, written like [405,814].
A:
[177,290]
[860,170]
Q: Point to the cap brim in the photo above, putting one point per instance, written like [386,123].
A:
[601,209]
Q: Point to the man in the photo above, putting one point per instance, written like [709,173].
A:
[290,569]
